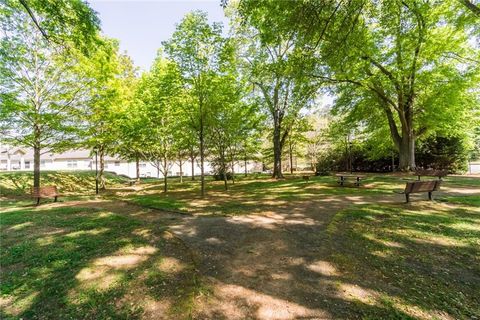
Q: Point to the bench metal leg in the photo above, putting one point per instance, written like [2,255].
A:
[38,201]
[430,196]
[407,197]
[55,199]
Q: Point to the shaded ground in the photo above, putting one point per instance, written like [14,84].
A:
[282,250]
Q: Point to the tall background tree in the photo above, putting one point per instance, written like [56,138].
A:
[409,62]
[40,95]
[197,47]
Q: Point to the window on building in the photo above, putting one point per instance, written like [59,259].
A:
[117,163]
[27,164]
[143,165]
[71,164]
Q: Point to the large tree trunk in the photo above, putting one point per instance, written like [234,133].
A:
[36,165]
[277,152]
[101,172]
[407,152]
[405,143]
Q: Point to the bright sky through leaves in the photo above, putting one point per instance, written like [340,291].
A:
[141,26]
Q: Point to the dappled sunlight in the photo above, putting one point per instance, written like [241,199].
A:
[86,232]
[170,265]
[237,302]
[15,306]
[437,240]
[21,226]
[324,268]
[387,243]
[354,292]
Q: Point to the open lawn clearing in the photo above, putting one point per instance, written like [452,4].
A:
[99,261]
[330,253]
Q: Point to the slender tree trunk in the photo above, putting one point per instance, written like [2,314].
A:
[246,164]
[165,175]
[137,166]
[101,172]
[224,169]
[291,156]
[180,164]
[158,169]
[233,172]
[192,160]
[36,165]
[202,154]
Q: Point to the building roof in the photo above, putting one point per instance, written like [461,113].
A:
[16,153]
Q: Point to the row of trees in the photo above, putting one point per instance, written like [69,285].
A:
[407,69]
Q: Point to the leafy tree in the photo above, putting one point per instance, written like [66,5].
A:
[39,94]
[277,74]
[109,77]
[408,61]
[197,49]
[62,21]
[160,92]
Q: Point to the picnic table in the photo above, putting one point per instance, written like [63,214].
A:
[343,177]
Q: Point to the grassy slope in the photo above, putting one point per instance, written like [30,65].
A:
[19,183]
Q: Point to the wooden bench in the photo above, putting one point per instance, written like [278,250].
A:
[342,178]
[431,173]
[421,186]
[45,192]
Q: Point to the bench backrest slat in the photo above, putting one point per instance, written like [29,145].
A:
[422,186]
[46,191]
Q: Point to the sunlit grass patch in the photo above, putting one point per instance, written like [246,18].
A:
[75,182]
[423,260]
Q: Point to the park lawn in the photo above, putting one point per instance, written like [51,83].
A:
[68,182]
[420,261]
[251,194]
[69,262]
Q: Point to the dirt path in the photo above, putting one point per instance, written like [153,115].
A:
[273,265]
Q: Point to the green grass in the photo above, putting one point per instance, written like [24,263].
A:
[77,182]
[79,263]
[416,260]
[249,195]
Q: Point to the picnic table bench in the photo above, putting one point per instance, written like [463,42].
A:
[306,178]
[343,177]
[431,173]
[44,192]
[421,186]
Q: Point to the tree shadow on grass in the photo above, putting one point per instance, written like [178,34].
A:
[78,263]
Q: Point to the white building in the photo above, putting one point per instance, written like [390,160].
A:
[15,158]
